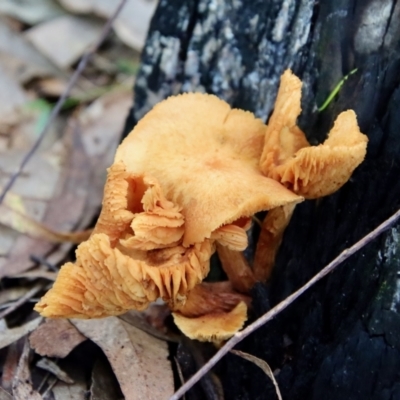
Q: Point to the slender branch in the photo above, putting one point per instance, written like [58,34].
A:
[57,108]
[238,337]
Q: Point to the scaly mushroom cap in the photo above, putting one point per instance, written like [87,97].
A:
[206,157]
[310,171]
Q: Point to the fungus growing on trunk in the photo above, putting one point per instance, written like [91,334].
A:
[187,179]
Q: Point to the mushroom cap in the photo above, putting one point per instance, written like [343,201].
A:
[310,171]
[133,256]
[206,157]
[318,171]
[212,312]
[214,327]
[105,281]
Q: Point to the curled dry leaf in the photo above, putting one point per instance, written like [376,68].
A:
[9,336]
[263,365]
[140,362]
[55,338]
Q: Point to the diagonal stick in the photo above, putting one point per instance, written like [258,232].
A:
[54,112]
[239,336]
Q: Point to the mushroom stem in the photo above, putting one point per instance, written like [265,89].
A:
[236,268]
[270,239]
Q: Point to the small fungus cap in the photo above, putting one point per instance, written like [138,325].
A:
[212,312]
[310,171]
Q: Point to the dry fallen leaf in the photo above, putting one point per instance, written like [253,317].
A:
[53,190]
[10,365]
[131,24]
[12,96]
[9,336]
[4,395]
[55,338]
[139,360]
[22,385]
[66,391]
[64,39]
[261,364]
[20,58]
[31,12]
[104,385]
[12,294]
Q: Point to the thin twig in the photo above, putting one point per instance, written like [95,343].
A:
[54,112]
[22,300]
[238,337]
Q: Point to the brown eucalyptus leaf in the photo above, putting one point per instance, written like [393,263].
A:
[55,338]
[139,360]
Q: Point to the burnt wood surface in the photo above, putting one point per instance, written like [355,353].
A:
[341,340]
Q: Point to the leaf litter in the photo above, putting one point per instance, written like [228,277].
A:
[132,353]
[55,338]
[59,194]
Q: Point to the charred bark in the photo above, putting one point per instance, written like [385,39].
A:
[341,340]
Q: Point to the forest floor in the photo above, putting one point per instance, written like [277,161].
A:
[58,195]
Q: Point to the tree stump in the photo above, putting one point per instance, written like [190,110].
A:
[341,340]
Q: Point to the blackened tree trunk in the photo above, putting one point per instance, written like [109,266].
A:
[341,340]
